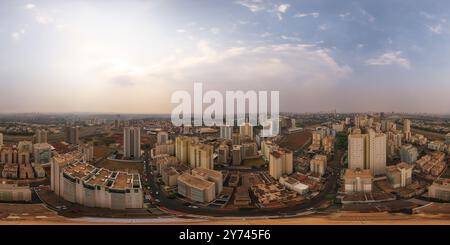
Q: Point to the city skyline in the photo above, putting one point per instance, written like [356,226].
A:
[128,57]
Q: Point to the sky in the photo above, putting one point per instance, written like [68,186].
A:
[130,56]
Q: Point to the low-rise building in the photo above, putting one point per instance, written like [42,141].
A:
[12,191]
[440,189]
[358,180]
[210,175]
[437,145]
[318,165]
[294,185]
[399,175]
[196,189]
[408,153]
[169,176]
[10,171]
[42,153]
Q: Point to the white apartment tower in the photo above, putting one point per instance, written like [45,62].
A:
[356,146]
[376,152]
[226,132]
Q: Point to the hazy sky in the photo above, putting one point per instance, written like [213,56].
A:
[129,56]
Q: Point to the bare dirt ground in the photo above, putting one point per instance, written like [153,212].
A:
[18,214]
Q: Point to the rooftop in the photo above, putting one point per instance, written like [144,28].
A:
[79,170]
[195,181]
[208,172]
[361,173]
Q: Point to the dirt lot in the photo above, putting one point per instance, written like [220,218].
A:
[130,167]
[297,140]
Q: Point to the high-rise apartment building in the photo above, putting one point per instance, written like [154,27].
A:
[407,129]
[41,136]
[376,148]
[237,155]
[182,145]
[72,135]
[226,132]
[201,156]
[356,150]
[132,142]
[246,130]
[224,154]
[280,162]
[367,151]
[162,137]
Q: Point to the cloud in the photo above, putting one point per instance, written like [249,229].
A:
[30,6]
[43,18]
[266,34]
[17,35]
[427,15]
[215,30]
[436,29]
[297,39]
[181,31]
[281,66]
[369,17]
[312,14]
[323,27]
[282,8]
[252,5]
[343,15]
[390,58]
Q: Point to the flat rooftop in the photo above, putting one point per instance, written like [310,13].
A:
[362,173]
[207,172]
[123,181]
[100,177]
[79,170]
[195,182]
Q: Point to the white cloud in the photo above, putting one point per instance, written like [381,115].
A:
[252,5]
[215,30]
[30,6]
[297,39]
[312,14]
[17,35]
[282,8]
[390,58]
[369,17]
[181,31]
[265,67]
[343,15]
[323,27]
[43,18]
[266,34]
[436,29]
[427,15]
